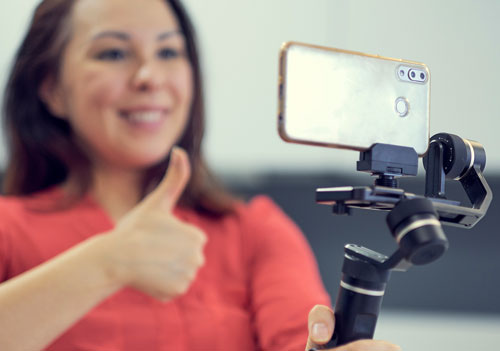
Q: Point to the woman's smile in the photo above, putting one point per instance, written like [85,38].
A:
[146,118]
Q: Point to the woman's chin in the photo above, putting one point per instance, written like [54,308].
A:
[139,162]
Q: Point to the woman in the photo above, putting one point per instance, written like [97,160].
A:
[114,235]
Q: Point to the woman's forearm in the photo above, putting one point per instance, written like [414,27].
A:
[39,305]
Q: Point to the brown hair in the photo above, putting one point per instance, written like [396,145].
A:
[42,152]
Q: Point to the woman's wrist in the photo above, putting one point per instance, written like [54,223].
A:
[105,255]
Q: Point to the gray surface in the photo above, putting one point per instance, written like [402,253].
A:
[465,280]
[415,331]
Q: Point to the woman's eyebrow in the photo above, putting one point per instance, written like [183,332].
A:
[126,37]
[113,34]
[169,34]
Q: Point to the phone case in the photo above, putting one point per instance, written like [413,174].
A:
[344,99]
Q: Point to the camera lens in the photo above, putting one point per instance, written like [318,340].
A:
[422,76]
[401,73]
[412,74]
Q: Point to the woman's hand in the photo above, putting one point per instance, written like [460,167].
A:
[151,250]
[321,324]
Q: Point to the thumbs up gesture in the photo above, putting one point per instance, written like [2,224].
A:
[152,250]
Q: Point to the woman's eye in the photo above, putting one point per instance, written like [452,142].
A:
[112,55]
[168,53]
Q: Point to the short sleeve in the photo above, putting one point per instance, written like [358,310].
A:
[3,258]
[284,278]
[4,249]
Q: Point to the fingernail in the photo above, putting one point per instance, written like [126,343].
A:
[320,332]
[174,154]
[174,149]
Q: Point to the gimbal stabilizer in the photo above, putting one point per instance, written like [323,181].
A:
[414,221]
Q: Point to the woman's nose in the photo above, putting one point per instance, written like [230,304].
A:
[147,77]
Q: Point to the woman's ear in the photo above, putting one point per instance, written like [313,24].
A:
[52,95]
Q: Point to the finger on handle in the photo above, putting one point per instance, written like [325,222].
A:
[367,345]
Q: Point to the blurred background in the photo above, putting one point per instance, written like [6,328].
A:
[453,303]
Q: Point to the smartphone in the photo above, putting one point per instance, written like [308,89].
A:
[350,100]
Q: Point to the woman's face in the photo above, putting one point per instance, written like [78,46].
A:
[126,83]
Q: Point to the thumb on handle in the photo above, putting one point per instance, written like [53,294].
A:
[321,324]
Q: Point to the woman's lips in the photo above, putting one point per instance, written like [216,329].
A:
[145,119]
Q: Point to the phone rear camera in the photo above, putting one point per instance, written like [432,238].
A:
[411,74]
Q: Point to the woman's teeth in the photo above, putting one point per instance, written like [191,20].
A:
[144,117]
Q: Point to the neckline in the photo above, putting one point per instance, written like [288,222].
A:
[46,198]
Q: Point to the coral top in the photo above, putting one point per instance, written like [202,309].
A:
[254,292]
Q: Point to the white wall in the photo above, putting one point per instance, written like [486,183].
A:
[458,40]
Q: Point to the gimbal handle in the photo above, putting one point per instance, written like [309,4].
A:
[359,299]
[365,273]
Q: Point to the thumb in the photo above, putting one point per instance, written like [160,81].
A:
[171,187]
[321,323]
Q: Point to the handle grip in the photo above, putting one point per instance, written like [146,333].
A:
[359,299]
[356,314]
